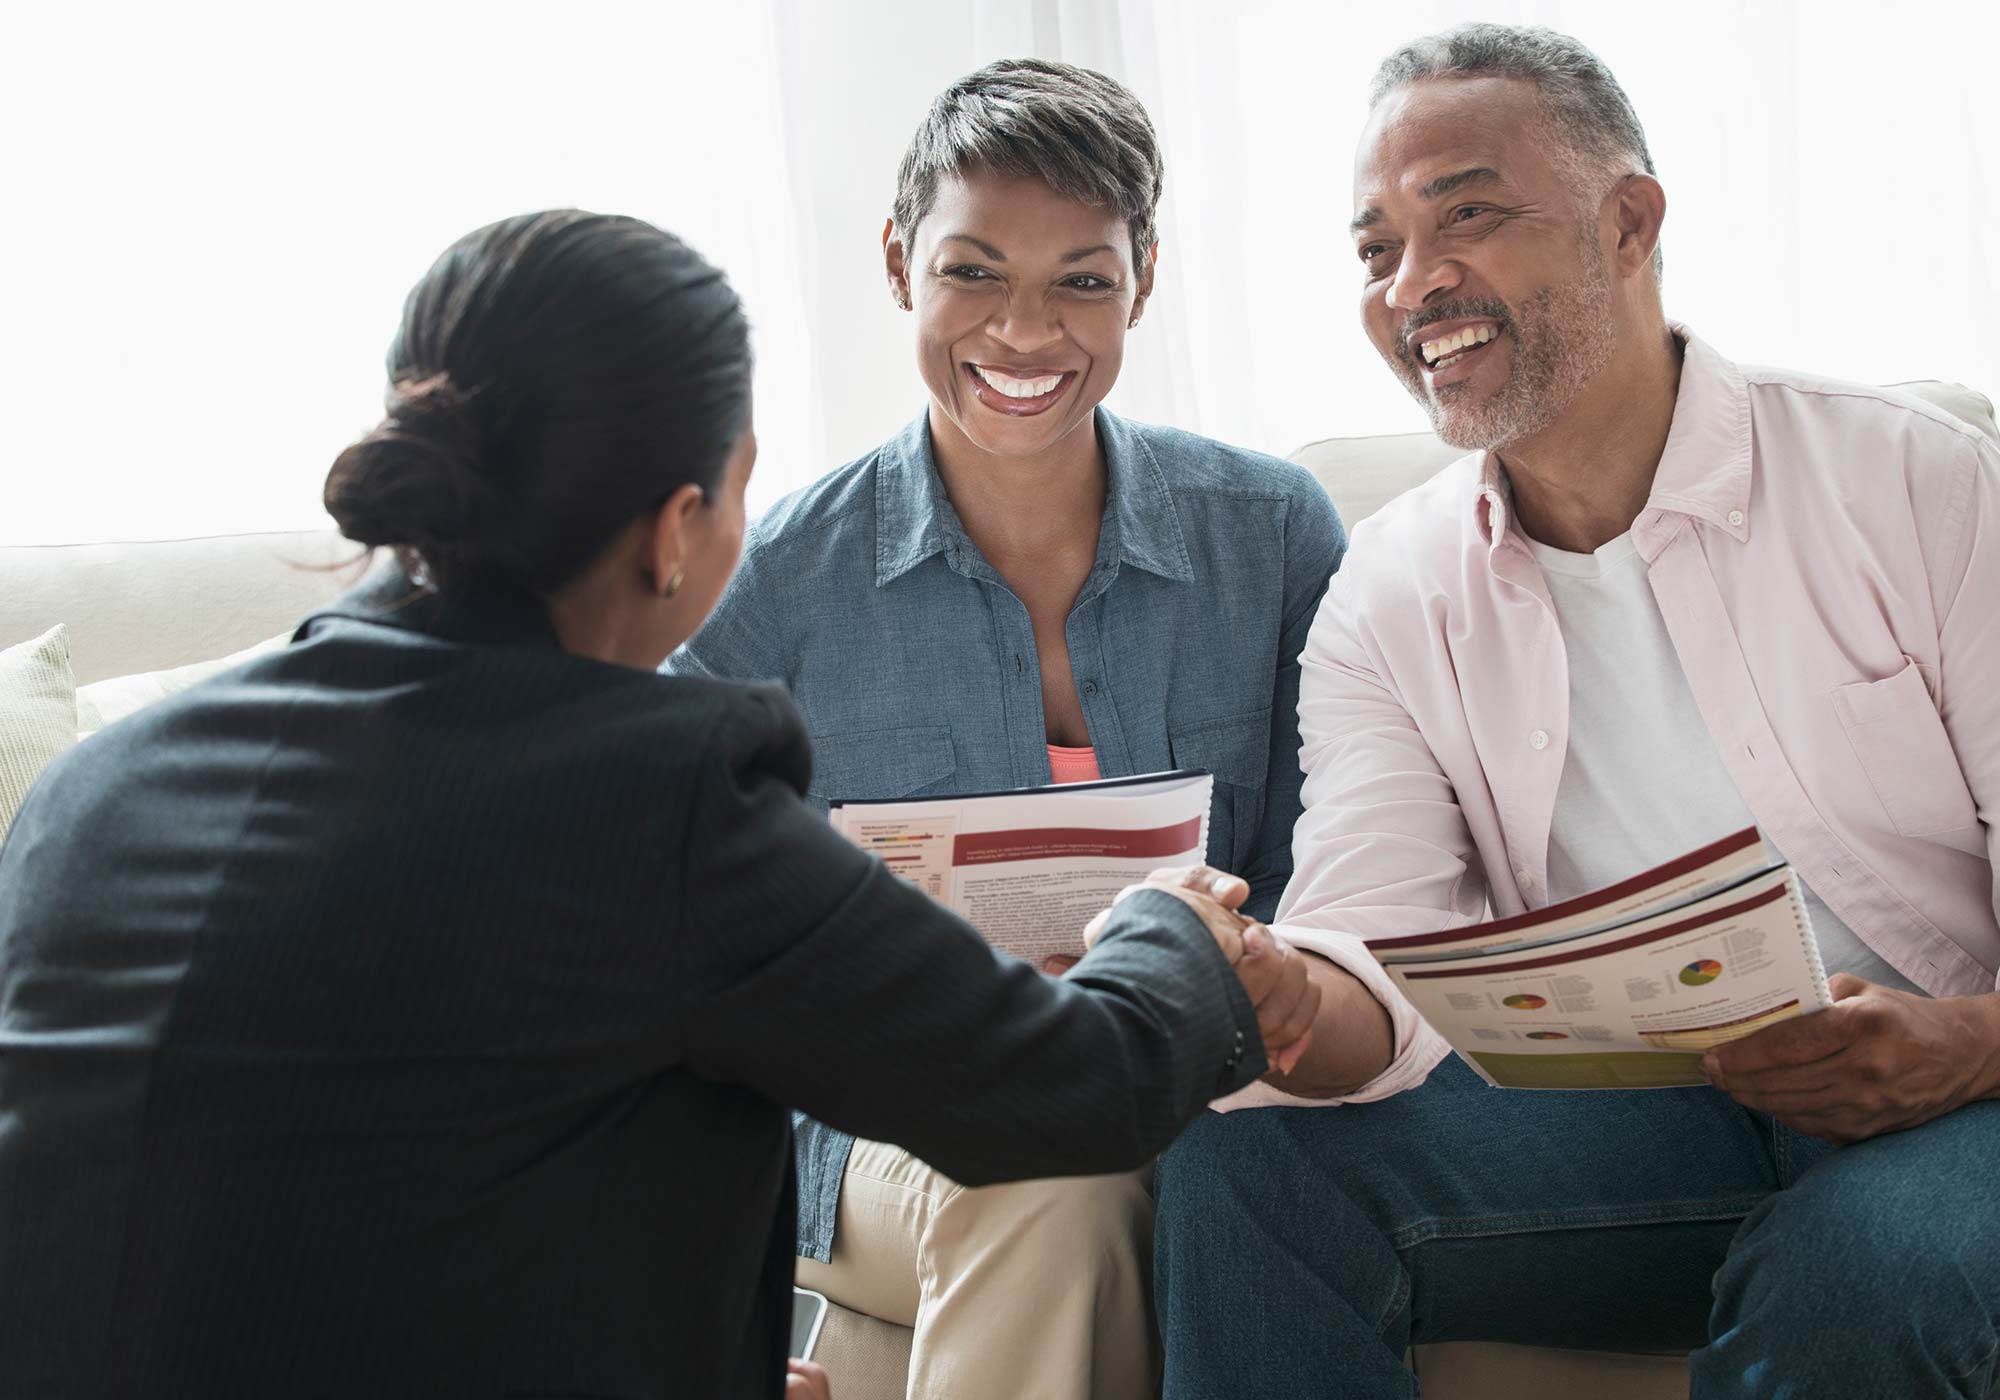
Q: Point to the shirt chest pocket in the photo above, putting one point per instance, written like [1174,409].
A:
[1900,742]
[1237,751]
[880,763]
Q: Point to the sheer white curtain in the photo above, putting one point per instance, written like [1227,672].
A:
[212,210]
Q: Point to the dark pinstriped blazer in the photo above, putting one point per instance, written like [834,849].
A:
[415,1010]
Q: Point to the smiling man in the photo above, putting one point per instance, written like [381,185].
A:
[1664,596]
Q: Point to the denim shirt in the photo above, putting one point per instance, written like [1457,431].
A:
[915,664]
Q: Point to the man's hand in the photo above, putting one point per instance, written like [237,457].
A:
[1876,1061]
[804,1380]
[1271,970]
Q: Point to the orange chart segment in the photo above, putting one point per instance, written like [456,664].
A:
[1701,972]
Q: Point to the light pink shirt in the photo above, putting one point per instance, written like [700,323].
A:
[1827,559]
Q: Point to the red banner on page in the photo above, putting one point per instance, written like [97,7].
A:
[1076,842]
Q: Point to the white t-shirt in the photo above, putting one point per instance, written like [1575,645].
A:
[1643,782]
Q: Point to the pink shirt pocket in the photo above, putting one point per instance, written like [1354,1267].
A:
[1901,745]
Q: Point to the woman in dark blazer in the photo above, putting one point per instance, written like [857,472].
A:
[415,1010]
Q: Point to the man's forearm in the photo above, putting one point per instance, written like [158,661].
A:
[1352,1041]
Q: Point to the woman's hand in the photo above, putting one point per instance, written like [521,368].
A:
[806,1381]
[1211,893]
[1271,970]
[1274,977]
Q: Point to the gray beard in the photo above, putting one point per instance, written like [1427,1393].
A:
[1563,336]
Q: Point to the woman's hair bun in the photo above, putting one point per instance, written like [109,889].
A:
[556,376]
[415,482]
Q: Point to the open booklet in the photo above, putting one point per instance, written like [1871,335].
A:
[1028,868]
[1624,988]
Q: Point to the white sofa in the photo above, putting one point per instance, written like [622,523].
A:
[145,619]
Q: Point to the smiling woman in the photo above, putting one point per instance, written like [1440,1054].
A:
[991,329]
[1044,588]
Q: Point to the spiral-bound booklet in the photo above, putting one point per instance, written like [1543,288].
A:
[1624,988]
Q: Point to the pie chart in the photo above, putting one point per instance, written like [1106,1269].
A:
[1547,1035]
[1528,1001]
[1701,972]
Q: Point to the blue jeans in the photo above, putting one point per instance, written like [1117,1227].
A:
[1300,1252]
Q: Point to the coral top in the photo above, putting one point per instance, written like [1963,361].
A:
[1072,765]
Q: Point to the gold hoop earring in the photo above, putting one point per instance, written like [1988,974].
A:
[674,584]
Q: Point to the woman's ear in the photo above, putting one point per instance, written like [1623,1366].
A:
[1145,281]
[664,548]
[895,261]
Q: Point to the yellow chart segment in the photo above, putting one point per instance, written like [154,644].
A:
[1706,1037]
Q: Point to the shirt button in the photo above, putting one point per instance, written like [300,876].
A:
[1090,687]
[1735,517]
[1539,739]
[1524,878]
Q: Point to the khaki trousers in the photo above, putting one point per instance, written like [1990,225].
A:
[1034,1288]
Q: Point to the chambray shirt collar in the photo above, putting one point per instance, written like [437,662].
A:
[1704,471]
[914,519]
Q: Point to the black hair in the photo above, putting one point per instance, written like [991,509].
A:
[556,376]
[1082,134]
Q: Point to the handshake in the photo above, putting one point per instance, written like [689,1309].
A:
[1273,973]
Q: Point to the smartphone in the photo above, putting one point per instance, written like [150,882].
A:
[808,1313]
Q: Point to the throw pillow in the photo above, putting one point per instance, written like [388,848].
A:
[37,714]
[103,702]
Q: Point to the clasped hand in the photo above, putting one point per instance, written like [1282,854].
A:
[1876,1061]
[1272,972]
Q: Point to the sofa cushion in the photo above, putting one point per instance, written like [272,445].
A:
[1966,405]
[148,607]
[866,1358]
[37,714]
[1363,474]
[107,701]
[1499,1371]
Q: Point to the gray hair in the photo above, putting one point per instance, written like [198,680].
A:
[1084,135]
[1588,112]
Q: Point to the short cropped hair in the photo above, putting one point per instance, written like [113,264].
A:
[1587,111]
[1590,113]
[1081,133]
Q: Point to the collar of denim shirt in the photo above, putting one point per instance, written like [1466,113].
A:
[914,519]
